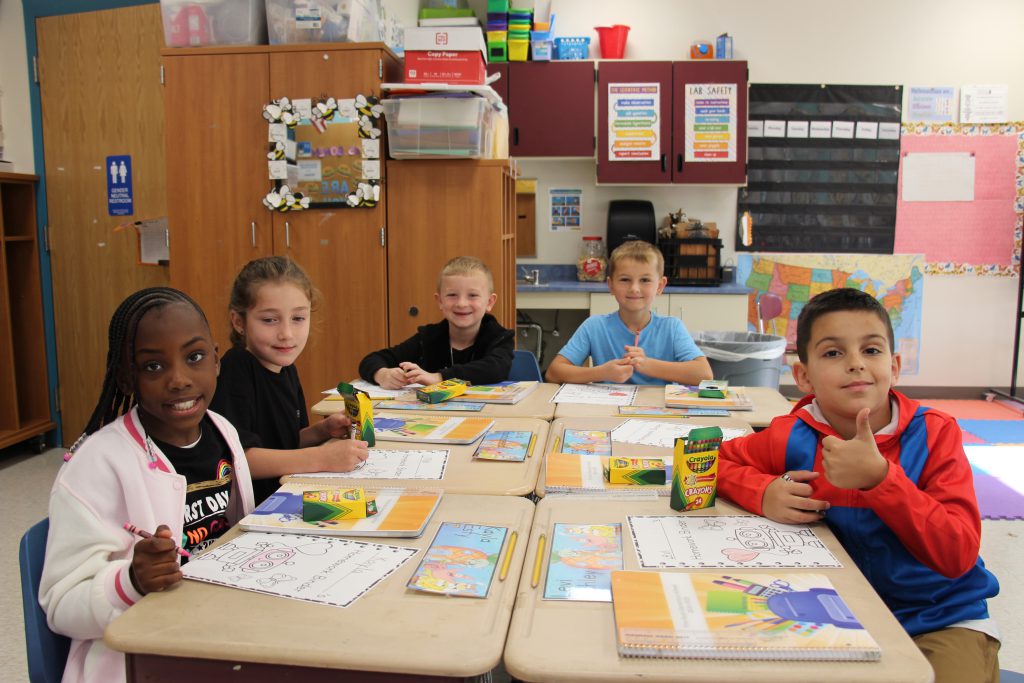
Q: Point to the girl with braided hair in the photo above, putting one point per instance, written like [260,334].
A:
[152,455]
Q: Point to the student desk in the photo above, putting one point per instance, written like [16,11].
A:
[463,474]
[768,404]
[537,404]
[633,450]
[204,632]
[575,641]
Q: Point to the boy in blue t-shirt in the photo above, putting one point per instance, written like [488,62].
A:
[634,345]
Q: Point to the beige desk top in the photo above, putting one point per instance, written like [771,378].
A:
[464,474]
[575,641]
[537,404]
[390,628]
[768,404]
[635,451]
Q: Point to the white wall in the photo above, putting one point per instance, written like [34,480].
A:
[17,142]
[968,323]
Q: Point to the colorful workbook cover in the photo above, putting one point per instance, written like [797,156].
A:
[431,429]
[686,396]
[586,442]
[507,446]
[753,616]
[466,406]
[581,563]
[656,411]
[502,392]
[573,473]
[460,560]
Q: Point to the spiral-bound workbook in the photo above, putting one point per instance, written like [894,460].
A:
[736,616]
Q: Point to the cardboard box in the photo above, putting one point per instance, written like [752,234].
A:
[335,504]
[643,471]
[442,391]
[445,54]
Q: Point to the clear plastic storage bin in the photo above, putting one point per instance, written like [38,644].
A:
[323,21]
[188,23]
[440,128]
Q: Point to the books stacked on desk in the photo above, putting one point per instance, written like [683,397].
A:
[508,393]
[686,396]
[756,616]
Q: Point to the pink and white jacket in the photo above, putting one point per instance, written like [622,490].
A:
[110,481]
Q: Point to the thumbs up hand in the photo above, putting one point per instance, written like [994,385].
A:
[857,463]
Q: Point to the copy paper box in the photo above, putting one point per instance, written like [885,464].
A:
[442,391]
[334,504]
[445,54]
[643,471]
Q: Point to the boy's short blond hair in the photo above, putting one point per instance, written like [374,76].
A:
[466,265]
[638,250]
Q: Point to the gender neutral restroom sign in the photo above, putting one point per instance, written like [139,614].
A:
[119,186]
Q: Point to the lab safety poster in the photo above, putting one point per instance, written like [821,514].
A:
[710,129]
[633,121]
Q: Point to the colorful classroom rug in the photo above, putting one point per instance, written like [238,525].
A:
[994,444]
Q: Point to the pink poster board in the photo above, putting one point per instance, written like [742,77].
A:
[981,236]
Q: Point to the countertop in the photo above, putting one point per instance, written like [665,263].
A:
[562,278]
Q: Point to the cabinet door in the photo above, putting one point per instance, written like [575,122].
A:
[710,312]
[611,169]
[448,208]
[551,109]
[216,174]
[712,112]
[340,249]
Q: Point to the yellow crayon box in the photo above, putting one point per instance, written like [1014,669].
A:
[694,478]
[359,409]
[643,471]
[334,504]
[442,391]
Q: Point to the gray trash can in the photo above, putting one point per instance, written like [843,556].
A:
[745,359]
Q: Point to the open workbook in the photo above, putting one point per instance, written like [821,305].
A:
[685,396]
[431,429]
[736,616]
[402,513]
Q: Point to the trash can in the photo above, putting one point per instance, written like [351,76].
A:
[745,359]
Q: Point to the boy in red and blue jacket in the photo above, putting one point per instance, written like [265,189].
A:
[887,475]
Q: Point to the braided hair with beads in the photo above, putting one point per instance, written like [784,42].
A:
[117,395]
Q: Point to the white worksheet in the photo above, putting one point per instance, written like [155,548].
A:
[725,541]
[662,432]
[389,464]
[329,571]
[596,394]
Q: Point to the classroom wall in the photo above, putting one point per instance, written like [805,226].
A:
[17,125]
[968,322]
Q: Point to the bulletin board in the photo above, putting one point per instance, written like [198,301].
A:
[977,237]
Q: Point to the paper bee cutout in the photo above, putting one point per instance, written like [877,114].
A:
[282,200]
[276,153]
[369,110]
[367,195]
[281,111]
[324,109]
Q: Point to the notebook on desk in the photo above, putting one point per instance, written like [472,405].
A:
[685,396]
[507,393]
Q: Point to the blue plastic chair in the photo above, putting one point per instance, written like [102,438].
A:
[524,367]
[47,651]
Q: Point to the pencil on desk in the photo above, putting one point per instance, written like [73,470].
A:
[508,556]
[529,448]
[535,579]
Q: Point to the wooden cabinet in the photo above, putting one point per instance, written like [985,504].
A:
[550,107]
[24,389]
[672,164]
[217,178]
[439,209]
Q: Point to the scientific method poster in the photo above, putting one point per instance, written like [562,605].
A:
[633,121]
[710,122]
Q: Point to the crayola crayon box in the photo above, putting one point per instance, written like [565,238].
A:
[695,469]
[335,504]
[643,471]
[442,391]
[359,409]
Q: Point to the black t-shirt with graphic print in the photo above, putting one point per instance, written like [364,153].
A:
[207,468]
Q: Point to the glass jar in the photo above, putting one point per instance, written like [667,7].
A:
[592,262]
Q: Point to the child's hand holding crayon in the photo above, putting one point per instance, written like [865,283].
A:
[341,455]
[617,370]
[336,426]
[414,374]
[155,562]
[391,378]
[636,357]
[788,499]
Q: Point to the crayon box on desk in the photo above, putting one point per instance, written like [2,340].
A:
[335,504]
[442,391]
[695,469]
[643,471]
[359,409]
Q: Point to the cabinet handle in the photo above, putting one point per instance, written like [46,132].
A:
[413,311]
[252,226]
[287,235]
[515,137]
[679,163]
[664,163]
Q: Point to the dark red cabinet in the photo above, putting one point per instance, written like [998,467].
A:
[672,164]
[550,107]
